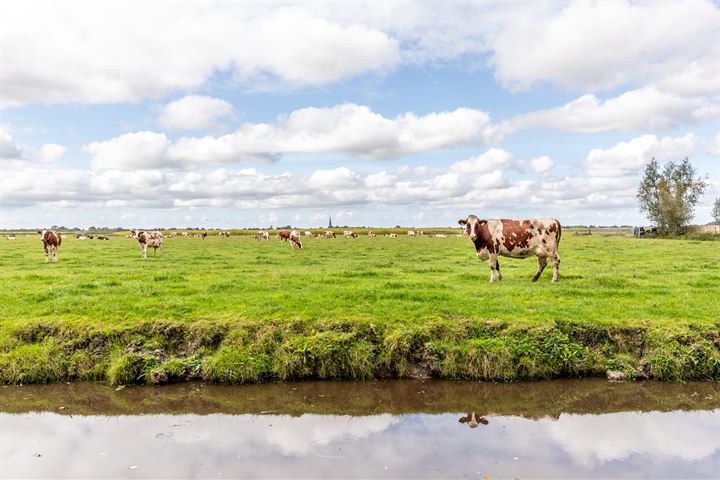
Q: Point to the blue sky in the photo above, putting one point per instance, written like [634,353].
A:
[237,114]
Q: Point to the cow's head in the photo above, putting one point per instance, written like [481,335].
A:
[42,233]
[472,225]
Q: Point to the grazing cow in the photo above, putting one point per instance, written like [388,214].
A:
[411,233]
[349,234]
[185,234]
[203,235]
[224,233]
[294,238]
[153,240]
[171,235]
[392,235]
[81,236]
[51,243]
[10,237]
[283,235]
[538,237]
[308,233]
[371,234]
[329,234]
[103,237]
[262,236]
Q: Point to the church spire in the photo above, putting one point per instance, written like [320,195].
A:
[330,225]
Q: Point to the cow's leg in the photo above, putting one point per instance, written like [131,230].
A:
[494,268]
[55,254]
[143,249]
[556,266]
[542,261]
[46,254]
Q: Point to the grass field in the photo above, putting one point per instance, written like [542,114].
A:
[237,310]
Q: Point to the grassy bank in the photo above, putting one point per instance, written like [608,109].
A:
[236,310]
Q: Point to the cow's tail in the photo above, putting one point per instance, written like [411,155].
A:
[559,232]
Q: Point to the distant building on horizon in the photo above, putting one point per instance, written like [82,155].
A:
[330,225]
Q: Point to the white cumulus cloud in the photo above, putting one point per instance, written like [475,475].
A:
[629,157]
[194,112]
[115,52]
[542,164]
[646,108]
[348,128]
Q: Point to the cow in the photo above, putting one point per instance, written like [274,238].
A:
[203,235]
[224,233]
[371,234]
[308,233]
[440,235]
[103,237]
[349,234]
[411,233]
[473,419]
[185,234]
[10,237]
[283,235]
[538,237]
[294,238]
[329,234]
[392,235]
[262,236]
[81,236]
[149,239]
[51,243]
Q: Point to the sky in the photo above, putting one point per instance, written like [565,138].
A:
[239,114]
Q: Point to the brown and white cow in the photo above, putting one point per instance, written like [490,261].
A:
[153,240]
[371,234]
[51,243]
[308,234]
[284,235]
[10,237]
[349,234]
[224,233]
[262,236]
[329,234]
[294,238]
[538,237]
[411,233]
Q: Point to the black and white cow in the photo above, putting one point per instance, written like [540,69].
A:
[537,237]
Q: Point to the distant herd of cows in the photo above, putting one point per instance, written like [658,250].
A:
[539,237]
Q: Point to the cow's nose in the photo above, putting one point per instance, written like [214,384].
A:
[473,236]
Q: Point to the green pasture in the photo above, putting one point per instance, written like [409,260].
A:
[355,308]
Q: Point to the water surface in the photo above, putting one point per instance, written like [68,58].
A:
[394,429]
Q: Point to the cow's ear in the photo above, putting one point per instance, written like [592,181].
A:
[39,231]
[462,221]
[483,222]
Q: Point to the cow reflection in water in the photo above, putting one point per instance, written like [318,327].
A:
[473,420]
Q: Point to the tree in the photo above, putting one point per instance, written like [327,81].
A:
[669,197]
[716,211]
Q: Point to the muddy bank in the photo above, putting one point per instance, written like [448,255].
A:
[252,352]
